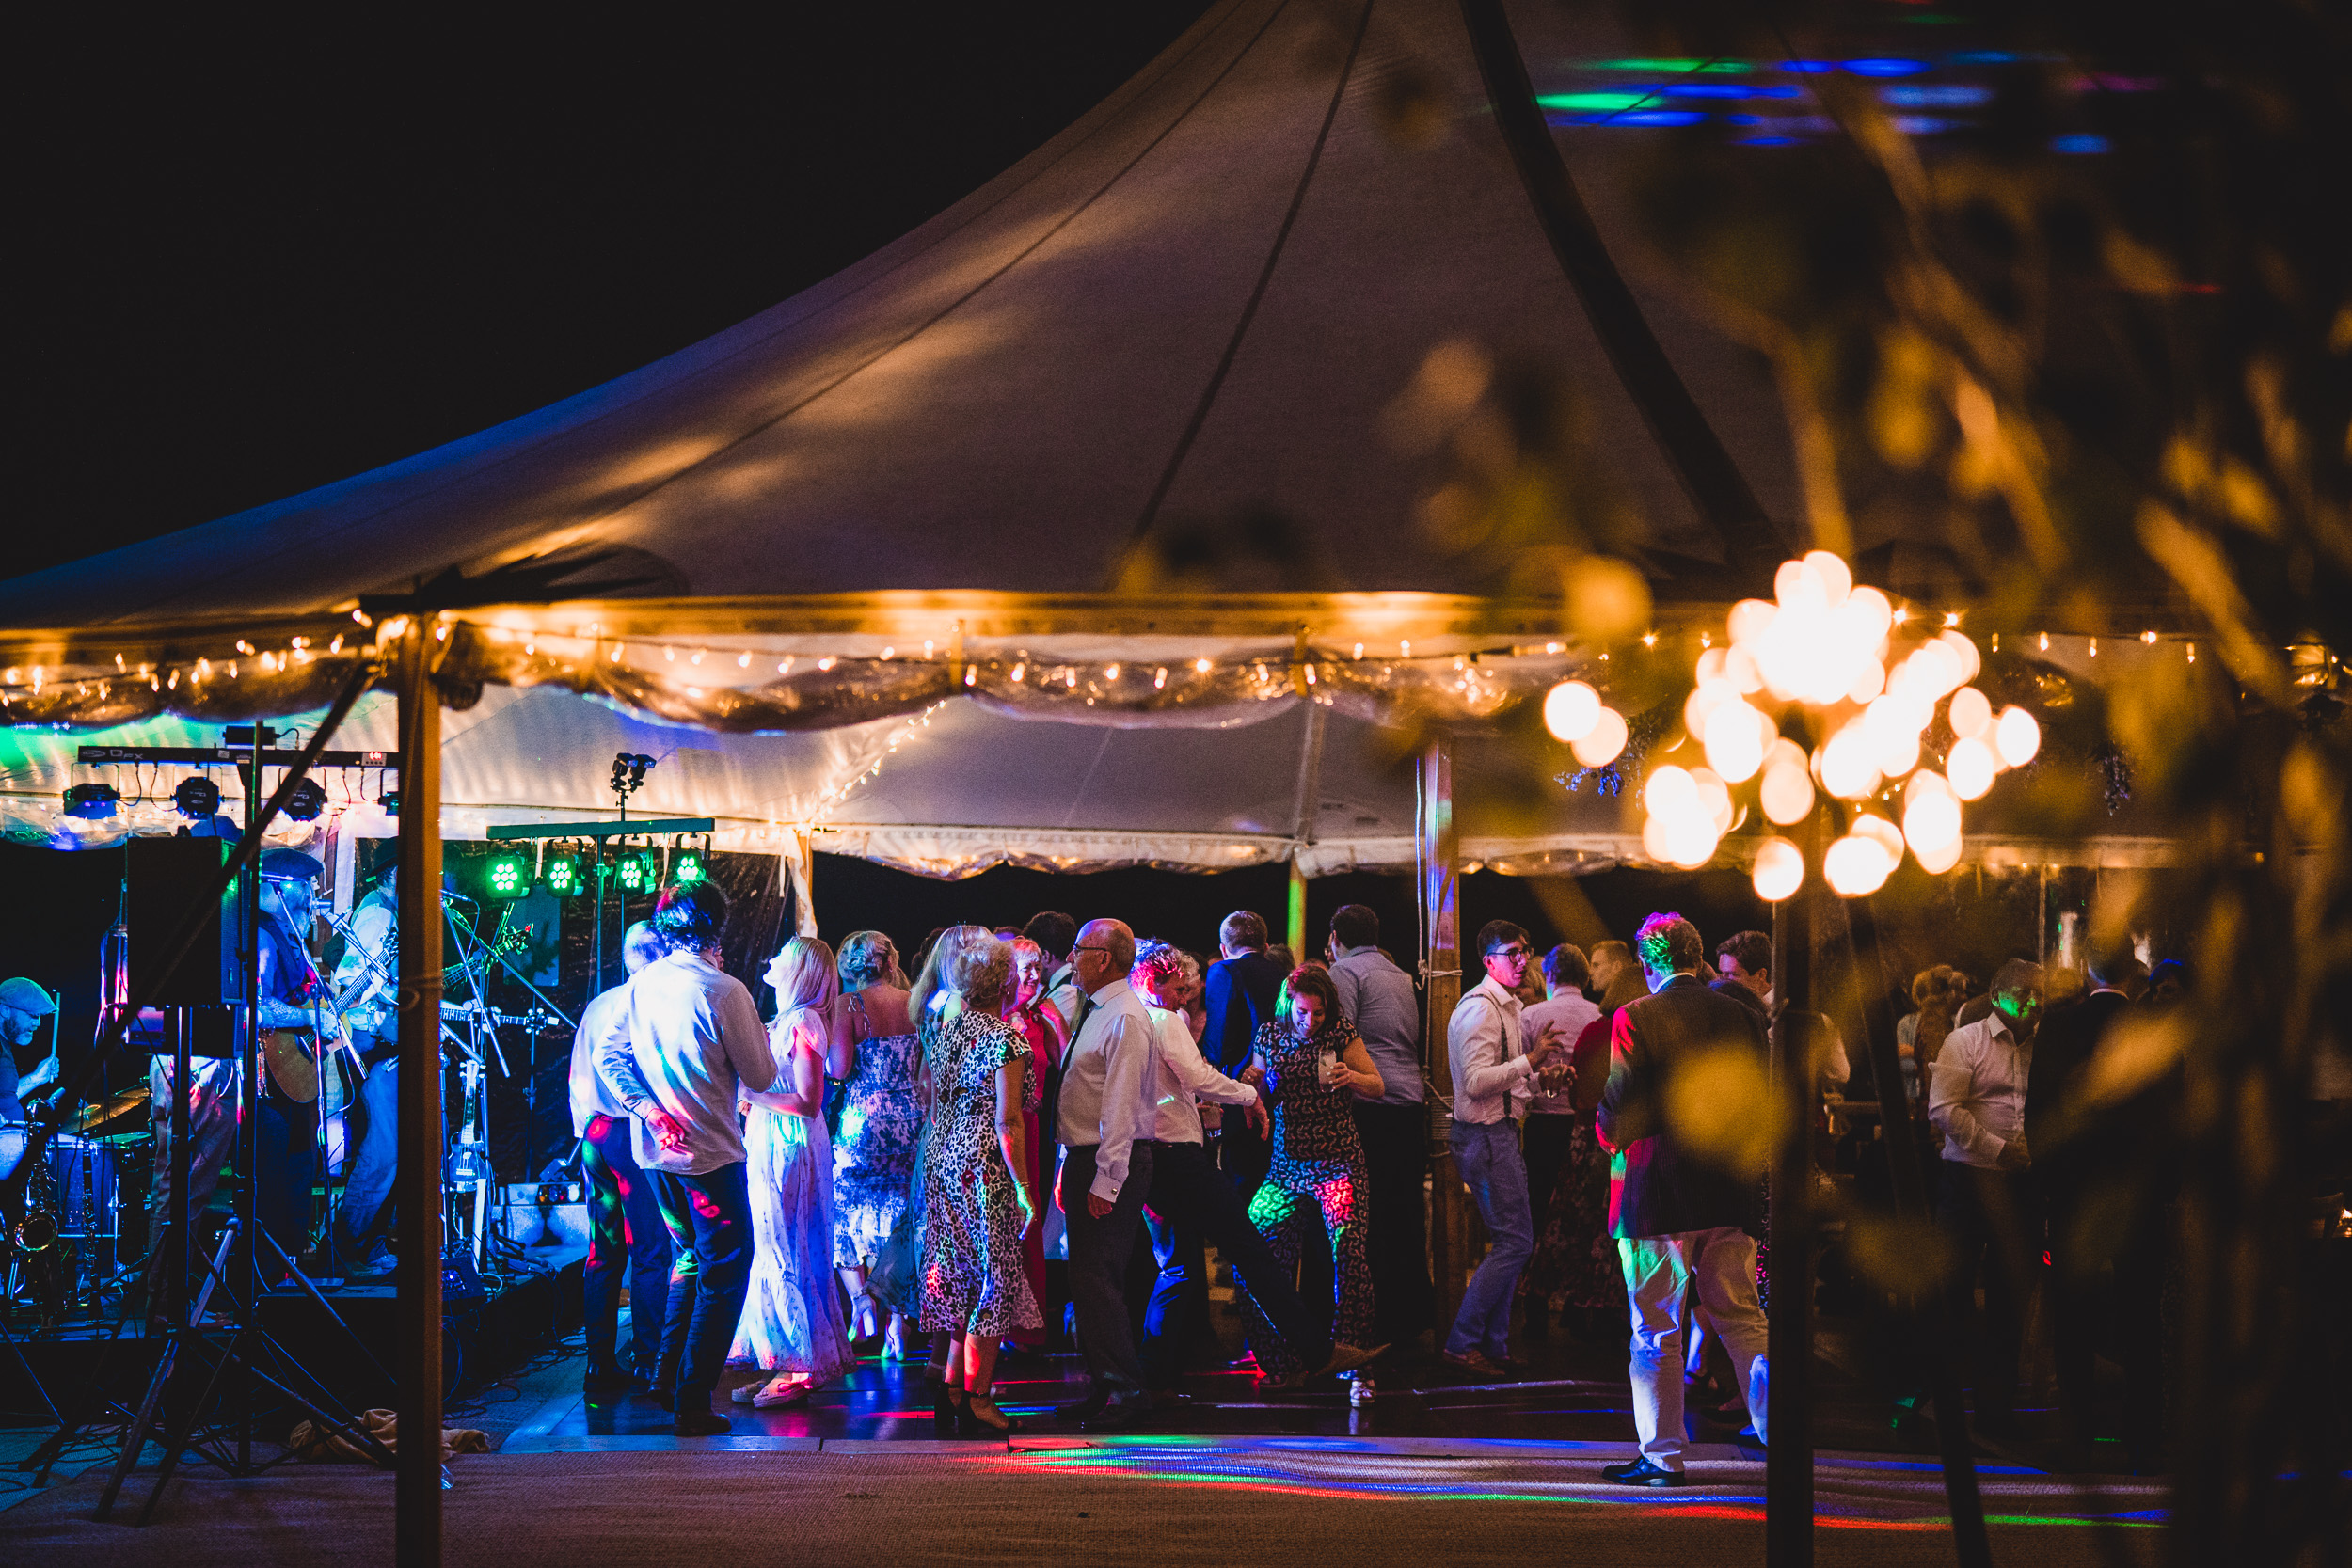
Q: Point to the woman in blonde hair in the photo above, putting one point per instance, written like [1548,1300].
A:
[978,1198]
[876,1055]
[791,1323]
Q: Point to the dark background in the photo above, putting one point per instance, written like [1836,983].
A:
[256,255]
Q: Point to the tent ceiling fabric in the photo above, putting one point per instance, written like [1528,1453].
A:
[991,401]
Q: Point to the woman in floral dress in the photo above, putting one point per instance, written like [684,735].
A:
[1310,1065]
[876,1052]
[978,1199]
[1040,1027]
[791,1323]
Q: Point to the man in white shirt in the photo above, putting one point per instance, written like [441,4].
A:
[1494,1077]
[1977,1099]
[1192,1204]
[1552,1115]
[625,1224]
[685,1041]
[1104,1120]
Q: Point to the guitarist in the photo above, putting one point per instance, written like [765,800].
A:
[287,1167]
[366,981]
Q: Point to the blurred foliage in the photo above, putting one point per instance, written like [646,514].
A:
[2118,388]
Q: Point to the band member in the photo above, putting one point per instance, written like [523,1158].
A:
[23,1006]
[289,987]
[367,979]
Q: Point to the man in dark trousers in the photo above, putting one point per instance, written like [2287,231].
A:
[1240,991]
[2106,1195]
[1682,1215]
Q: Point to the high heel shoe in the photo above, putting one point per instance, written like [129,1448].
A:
[980,1418]
[949,1415]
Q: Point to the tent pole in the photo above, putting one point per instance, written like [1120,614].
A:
[1789,1460]
[417,1492]
[1304,812]
[1437,850]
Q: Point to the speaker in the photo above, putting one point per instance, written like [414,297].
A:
[170,878]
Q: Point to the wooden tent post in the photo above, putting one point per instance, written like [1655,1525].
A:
[417,1492]
[1438,850]
[1789,1460]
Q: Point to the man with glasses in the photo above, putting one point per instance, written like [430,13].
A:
[1105,1121]
[1977,1099]
[1494,1078]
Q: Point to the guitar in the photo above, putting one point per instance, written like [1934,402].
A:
[289,1051]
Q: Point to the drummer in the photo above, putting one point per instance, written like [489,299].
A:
[23,1004]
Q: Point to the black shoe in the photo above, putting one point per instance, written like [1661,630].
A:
[979,1417]
[1122,1416]
[1084,1410]
[947,1412]
[611,1379]
[664,1398]
[1642,1473]
[701,1423]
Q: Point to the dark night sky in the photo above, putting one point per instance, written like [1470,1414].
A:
[264,259]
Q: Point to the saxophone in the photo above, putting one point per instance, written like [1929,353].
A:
[38,1231]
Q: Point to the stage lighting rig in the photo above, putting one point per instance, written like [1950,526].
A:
[629,775]
[639,871]
[562,877]
[689,866]
[306,800]
[507,876]
[91,801]
[196,797]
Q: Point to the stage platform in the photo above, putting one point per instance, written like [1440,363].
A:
[537,1304]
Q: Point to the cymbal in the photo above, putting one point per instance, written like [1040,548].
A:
[106,1110]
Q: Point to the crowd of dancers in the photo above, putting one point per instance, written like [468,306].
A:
[1020,1084]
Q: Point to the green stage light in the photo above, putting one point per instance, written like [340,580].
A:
[508,876]
[562,876]
[688,867]
[638,873]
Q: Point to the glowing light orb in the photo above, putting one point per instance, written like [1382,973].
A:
[1855,866]
[2019,736]
[1970,768]
[1779,870]
[1971,711]
[1787,792]
[1601,744]
[1849,763]
[1570,710]
[1671,793]
[1736,735]
[1930,816]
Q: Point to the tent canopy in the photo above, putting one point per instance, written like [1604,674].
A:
[1192,349]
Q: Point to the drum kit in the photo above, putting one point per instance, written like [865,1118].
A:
[85,1216]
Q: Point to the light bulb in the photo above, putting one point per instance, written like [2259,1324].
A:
[1938,862]
[1671,793]
[1931,817]
[1570,710]
[1836,576]
[1749,618]
[1736,736]
[1970,768]
[1603,741]
[1849,763]
[1879,830]
[1787,792]
[1714,799]
[1779,870]
[2019,736]
[1855,866]
[1971,711]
